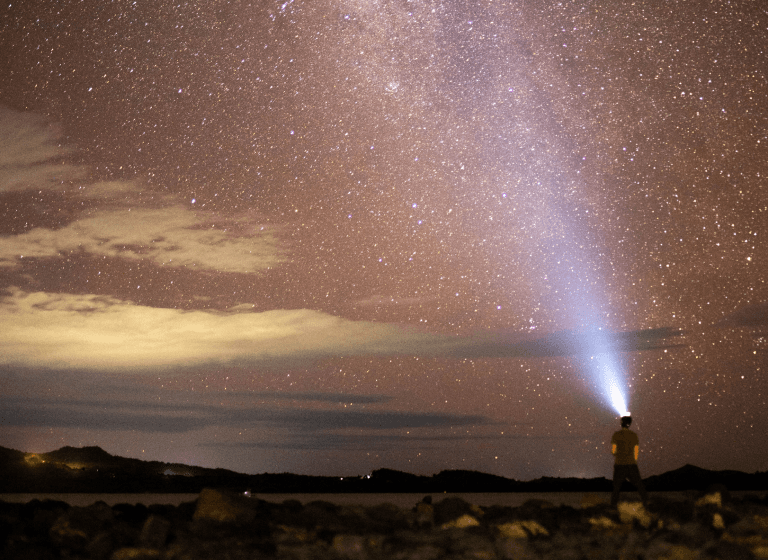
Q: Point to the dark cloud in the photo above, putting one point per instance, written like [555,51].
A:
[347,442]
[382,442]
[567,343]
[306,396]
[385,420]
[152,417]
[754,315]
[41,414]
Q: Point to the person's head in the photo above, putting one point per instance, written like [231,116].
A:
[626,421]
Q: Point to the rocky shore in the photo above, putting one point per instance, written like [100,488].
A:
[224,525]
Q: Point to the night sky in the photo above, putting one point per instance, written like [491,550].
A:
[331,236]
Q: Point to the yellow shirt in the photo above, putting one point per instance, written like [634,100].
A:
[625,441]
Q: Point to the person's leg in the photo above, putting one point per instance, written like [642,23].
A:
[636,479]
[618,480]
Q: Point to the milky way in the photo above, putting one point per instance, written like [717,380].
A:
[339,235]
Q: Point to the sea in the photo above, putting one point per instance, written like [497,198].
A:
[405,500]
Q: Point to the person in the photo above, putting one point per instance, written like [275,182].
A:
[625,447]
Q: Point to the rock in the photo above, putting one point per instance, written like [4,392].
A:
[101,546]
[515,549]
[425,552]
[521,529]
[680,552]
[154,533]
[43,514]
[728,550]
[748,526]
[452,508]
[714,499]
[136,553]
[603,522]
[590,500]
[461,522]
[424,513]
[536,504]
[350,546]
[131,513]
[674,512]
[696,534]
[473,546]
[27,551]
[294,535]
[75,528]
[634,511]
[535,528]
[226,525]
[385,517]
[223,507]
[357,547]
[722,489]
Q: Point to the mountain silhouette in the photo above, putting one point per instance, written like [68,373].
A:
[94,470]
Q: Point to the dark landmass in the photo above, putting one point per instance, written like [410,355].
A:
[93,470]
[223,524]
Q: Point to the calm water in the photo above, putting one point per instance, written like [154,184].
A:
[572,499]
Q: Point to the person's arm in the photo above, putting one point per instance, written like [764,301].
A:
[637,451]
[613,449]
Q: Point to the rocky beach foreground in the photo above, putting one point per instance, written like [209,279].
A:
[220,524]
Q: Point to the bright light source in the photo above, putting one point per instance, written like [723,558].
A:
[618,401]
[612,383]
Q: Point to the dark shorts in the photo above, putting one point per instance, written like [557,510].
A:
[627,472]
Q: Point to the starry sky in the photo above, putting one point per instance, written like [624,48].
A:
[331,236]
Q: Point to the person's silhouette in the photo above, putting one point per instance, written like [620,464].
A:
[625,447]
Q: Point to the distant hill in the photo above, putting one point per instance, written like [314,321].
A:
[690,477]
[92,456]
[93,470]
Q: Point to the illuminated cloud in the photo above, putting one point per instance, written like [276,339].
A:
[101,333]
[90,332]
[171,236]
[125,220]
[30,153]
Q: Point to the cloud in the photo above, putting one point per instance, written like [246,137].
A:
[85,415]
[30,153]
[102,333]
[310,396]
[381,301]
[121,415]
[172,236]
[753,315]
[123,218]
[348,442]
[565,343]
[367,441]
[62,331]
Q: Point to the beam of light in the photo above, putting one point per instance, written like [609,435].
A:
[612,383]
[586,302]
[554,214]
[604,369]
[573,263]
